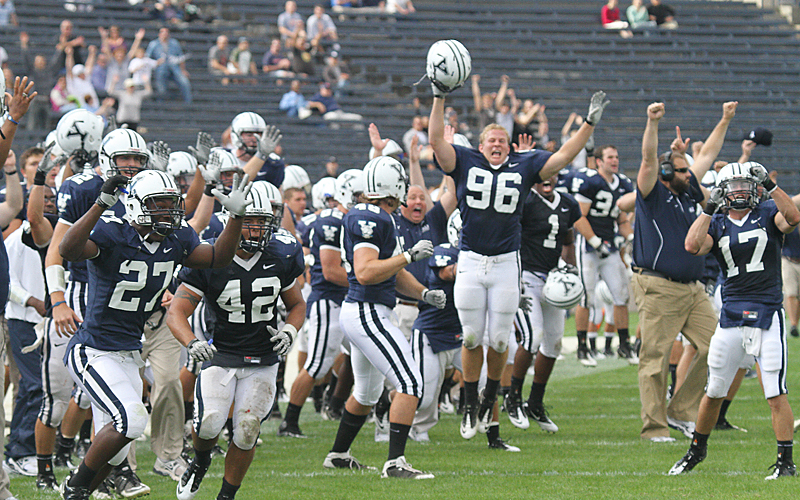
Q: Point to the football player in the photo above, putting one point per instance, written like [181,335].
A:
[241,365]
[248,130]
[131,262]
[490,186]
[746,239]
[375,267]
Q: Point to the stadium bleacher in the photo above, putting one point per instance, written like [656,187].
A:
[555,52]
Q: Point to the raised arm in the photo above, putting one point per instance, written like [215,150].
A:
[648,171]
[477,101]
[445,154]
[713,145]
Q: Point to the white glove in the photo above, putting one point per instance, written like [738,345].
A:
[159,155]
[761,176]
[596,106]
[236,201]
[201,351]
[716,198]
[46,164]
[525,302]
[203,148]
[268,141]
[421,250]
[283,339]
[309,260]
[438,90]
[110,191]
[436,298]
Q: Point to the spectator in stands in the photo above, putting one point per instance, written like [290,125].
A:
[8,15]
[335,73]
[119,60]
[324,103]
[113,37]
[338,5]
[332,167]
[451,118]
[290,23]
[67,39]
[527,120]
[242,61]
[662,14]
[275,63]
[172,65]
[400,7]
[483,104]
[218,58]
[141,68]
[611,19]
[43,73]
[320,29]
[168,12]
[78,82]
[506,111]
[191,12]
[292,101]
[129,104]
[638,17]
[302,60]
[566,132]
[417,130]
[60,100]
[99,74]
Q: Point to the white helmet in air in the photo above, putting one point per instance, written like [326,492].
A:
[182,166]
[145,189]
[246,122]
[448,65]
[120,142]
[392,149]
[349,185]
[385,177]
[454,228]
[322,191]
[80,129]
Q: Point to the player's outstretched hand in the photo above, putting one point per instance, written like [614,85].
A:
[525,302]
[236,201]
[268,141]
[201,351]
[109,193]
[159,155]
[421,250]
[715,200]
[203,147]
[65,319]
[597,104]
[283,339]
[436,298]
[47,164]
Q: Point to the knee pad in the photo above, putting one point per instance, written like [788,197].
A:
[551,351]
[56,413]
[472,339]
[246,432]
[137,419]
[716,387]
[499,344]
[120,456]
[210,425]
[83,401]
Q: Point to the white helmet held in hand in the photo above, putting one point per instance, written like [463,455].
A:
[562,289]
[384,177]
[145,190]
[454,228]
[349,185]
[122,142]
[322,191]
[295,176]
[182,167]
[449,64]
[246,122]
[80,129]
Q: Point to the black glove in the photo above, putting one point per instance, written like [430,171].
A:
[715,199]
[109,193]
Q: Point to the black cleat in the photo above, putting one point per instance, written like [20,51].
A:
[47,482]
[290,430]
[781,469]
[693,457]
[724,425]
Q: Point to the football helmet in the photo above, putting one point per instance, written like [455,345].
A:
[349,185]
[448,64]
[80,129]
[461,140]
[182,167]
[267,203]
[226,163]
[322,191]
[603,292]
[295,176]
[454,228]
[384,177]
[562,288]
[145,191]
[50,139]
[392,149]
[121,142]
[246,122]
[739,187]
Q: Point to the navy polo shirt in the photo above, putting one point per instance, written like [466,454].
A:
[791,245]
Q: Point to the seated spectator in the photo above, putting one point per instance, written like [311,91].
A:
[119,60]
[324,103]
[292,101]
[242,62]
[60,99]
[171,65]
[400,7]
[78,82]
[8,15]
[218,58]
[338,5]
[302,60]
[129,104]
[141,68]
[638,17]
[335,73]
[610,18]
[320,29]
[43,73]
[663,15]
[417,130]
[274,63]
[290,23]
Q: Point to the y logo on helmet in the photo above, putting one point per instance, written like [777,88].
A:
[367,227]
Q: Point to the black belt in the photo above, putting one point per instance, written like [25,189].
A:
[650,272]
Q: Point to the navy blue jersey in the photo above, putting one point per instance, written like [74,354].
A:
[571,180]
[325,232]
[126,282]
[241,298]
[593,188]
[215,226]
[749,253]
[367,225]
[491,199]
[303,228]
[662,221]
[441,326]
[545,224]
[564,182]
[433,227]
[791,245]
[272,171]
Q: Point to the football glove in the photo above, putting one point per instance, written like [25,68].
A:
[236,201]
[268,141]
[421,250]
[109,193]
[47,164]
[715,200]
[283,339]
[203,148]
[597,104]
[436,298]
[761,176]
[159,155]
[201,351]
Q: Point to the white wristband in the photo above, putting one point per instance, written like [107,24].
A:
[629,237]
[54,276]
[595,242]
[407,256]
[18,295]
[291,330]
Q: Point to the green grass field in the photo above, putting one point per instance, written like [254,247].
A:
[597,453]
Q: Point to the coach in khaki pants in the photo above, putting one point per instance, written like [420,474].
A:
[666,277]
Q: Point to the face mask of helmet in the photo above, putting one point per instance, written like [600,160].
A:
[163,213]
[128,171]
